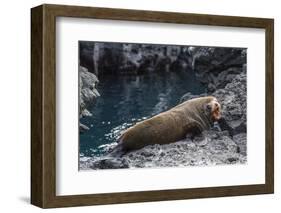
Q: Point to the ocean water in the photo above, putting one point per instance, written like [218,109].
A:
[126,100]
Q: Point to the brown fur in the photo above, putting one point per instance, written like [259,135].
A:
[192,116]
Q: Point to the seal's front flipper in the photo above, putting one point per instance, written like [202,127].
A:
[192,129]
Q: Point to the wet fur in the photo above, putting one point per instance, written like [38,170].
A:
[190,117]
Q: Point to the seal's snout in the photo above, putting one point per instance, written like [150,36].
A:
[215,109]
[217,113]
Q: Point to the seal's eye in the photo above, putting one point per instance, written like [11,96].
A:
[209,107]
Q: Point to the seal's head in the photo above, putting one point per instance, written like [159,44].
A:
[214,108]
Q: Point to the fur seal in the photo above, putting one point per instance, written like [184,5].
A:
[190,117]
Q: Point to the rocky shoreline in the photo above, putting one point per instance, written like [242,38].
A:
[223,72]
[225,143]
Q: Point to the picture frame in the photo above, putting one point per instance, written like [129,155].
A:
[43,105]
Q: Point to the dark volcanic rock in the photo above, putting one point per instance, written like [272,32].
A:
[133,59]
[211,148]
[217,67]
[88,93]
[214,66]
[234,105]
[110,163]
[241,141]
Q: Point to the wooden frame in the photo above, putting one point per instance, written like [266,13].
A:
[43,105]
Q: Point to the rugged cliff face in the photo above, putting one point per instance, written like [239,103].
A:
[215,67]
[133,59]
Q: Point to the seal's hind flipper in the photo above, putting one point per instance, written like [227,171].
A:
[117,151]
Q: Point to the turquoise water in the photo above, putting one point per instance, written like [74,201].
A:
[126,100]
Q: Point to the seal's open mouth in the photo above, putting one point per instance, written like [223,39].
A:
[216,112]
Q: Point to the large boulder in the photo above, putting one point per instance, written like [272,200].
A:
[233,99]
[88,93]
